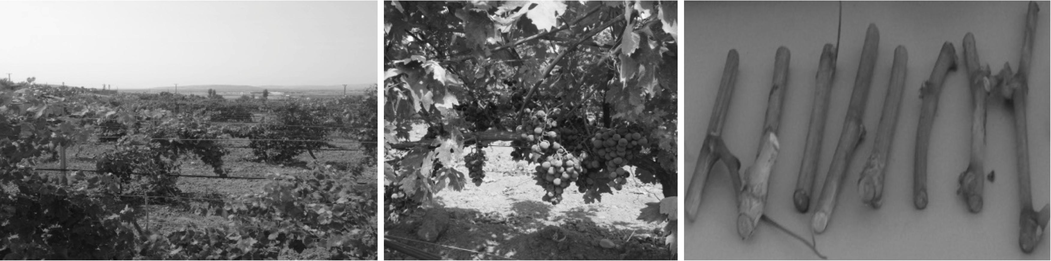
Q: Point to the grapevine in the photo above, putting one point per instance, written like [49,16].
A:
[42,216]
[554,83]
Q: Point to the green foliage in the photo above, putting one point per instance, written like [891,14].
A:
[323,210]
[357,116]
[141,163]
[173,136]
[82,219]
[231,112]
[473,71]
[41,219]
[111,130]
[52,224]
[292,131]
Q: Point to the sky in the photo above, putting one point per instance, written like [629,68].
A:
[152,44]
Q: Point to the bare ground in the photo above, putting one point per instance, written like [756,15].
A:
[504,218]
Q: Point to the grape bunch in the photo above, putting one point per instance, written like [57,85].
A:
[557,167]
[555,172]
[397,201]
[475,161]
[612,150]
[538,137]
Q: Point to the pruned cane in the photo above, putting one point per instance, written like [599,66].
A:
[972,180]
[929,92]
[1032,223]
[852,134]
[714,149]
[756,178]
[873,176]
[815,130]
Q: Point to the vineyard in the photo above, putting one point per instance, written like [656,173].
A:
[579,97]
[90,174]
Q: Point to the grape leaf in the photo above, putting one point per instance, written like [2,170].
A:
[669,18]
[545,14]
[669,206]
[629,42]
[443,180]
[479,29]
[456,179]
[592,196]
[408,184]
[451,147]
[645,8]
[436,71]
[645,176]
[649,58]
[505,20]
[651,213]
[628,68]
[389,175]
[391,73]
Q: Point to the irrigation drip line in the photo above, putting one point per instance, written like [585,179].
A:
[446,246]
[149,174]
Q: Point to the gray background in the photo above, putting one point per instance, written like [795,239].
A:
[945,230]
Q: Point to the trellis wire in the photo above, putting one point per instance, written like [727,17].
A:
[149,174]
[240,139]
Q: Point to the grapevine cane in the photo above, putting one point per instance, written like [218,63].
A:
[929,93]
[870,182]
[816,130]
[972,180]
[1032,223]
[714,150]
[752,197]
[853,131]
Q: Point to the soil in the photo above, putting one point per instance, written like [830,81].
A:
[505,218]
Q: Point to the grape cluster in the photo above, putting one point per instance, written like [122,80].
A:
[541,143]
[612,150]
[538,137]
[475,161]
[396,199]
[556,172]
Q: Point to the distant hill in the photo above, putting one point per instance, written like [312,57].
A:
[223,88]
